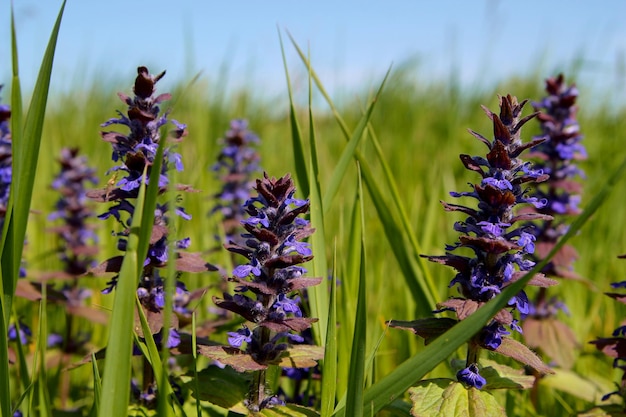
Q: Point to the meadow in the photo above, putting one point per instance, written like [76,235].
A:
[373,219]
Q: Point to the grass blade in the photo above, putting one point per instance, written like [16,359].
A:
[329,366]
[97,386]
[151,353]
[354,396]
[318,295]
[296,132]
[348,153]
[116,378]
[45,406]
[25,153]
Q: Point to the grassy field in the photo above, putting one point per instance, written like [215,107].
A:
[421,129]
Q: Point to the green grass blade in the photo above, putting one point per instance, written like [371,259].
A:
[349,152]
[151,353]
[296,132]
[318,295]
[25,377]
[329,366]
[194,354]
[412,370]
[97,386]
[5,392]
[356,380]
[26,152]
[117,368]
[116,384]
[349,293]
[45,406]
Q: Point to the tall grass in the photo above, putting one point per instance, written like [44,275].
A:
[375,217]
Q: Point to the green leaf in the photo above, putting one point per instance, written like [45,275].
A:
[300,356]
[447,398]
[576,385]
[290,410]
[500,376]
[221,386]
[613,410]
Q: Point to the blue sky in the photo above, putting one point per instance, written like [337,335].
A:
[352,43]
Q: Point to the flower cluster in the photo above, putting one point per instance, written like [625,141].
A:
[136,152]
[235,165]
[76,236]
[557,157]
[274,250]
[492,233]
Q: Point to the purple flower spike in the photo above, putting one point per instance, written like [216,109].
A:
[274,248]
[236,164]
[559,197]
[135,153]
[495,246]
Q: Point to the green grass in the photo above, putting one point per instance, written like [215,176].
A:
[407,145]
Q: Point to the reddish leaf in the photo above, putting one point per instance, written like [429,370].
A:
[231,356]
[192,262]
[553,337]
[427,328]
[110,265]
[521,353]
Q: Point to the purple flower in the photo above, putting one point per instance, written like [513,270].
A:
[22,329]
[236,339]
[492,335]
[471,376]
[78,240]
